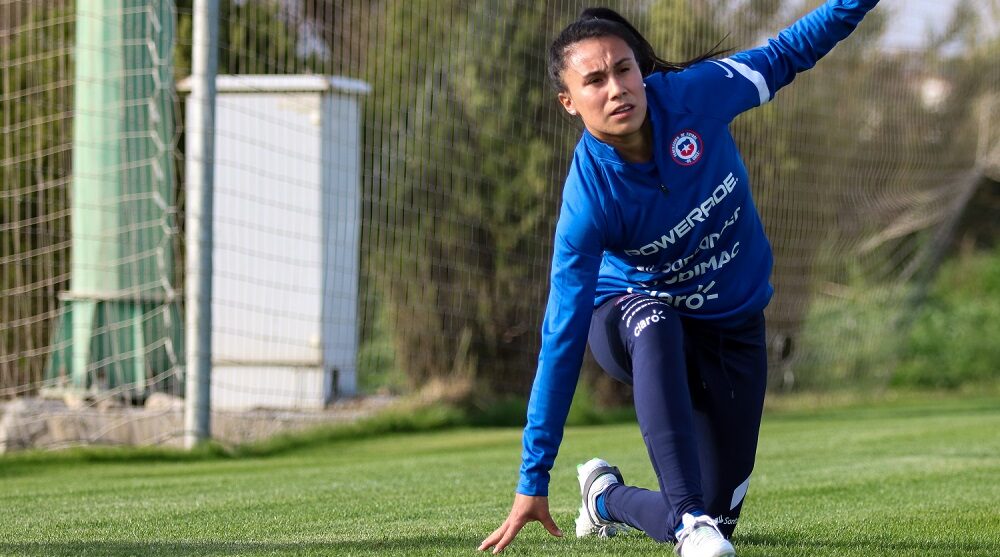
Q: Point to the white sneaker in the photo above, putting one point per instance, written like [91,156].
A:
[595,476]
[701,537]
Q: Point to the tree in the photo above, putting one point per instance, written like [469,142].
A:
[475,155]
[35,152]
[255,37]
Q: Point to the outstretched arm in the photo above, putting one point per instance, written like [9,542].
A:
[575,265]
[725,88]
[576,260]
[800,46]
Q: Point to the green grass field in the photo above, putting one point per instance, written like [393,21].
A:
[904,478]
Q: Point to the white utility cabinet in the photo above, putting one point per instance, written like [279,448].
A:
[286,240]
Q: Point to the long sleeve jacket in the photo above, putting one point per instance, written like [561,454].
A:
[682,228]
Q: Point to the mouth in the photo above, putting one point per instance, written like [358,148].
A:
[623,111]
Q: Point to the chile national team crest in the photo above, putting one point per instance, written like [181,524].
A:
[686,148]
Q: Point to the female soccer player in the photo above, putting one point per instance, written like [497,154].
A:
[661,261]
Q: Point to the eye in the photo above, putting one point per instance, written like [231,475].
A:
[594,80]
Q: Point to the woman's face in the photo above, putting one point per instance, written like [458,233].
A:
[604,87]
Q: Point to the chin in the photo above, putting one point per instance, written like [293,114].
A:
[623,129]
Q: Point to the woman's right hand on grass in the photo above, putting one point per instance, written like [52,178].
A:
[526,508]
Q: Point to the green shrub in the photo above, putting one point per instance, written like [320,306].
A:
[849,341]
[955,337]
[872,337]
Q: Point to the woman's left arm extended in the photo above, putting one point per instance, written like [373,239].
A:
[750,78]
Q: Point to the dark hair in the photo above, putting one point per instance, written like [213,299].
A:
[602,22]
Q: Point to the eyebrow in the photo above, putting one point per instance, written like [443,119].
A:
[601,72]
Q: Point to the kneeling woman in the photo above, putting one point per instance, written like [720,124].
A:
[662,263]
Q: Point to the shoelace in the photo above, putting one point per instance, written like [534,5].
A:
[699,532]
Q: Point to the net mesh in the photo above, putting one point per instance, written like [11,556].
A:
[438,247]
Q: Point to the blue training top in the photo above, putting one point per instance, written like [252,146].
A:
[682,228]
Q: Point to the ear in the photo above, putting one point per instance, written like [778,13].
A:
[567,102]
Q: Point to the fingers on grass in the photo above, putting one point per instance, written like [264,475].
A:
[507,538]
[492,539]
[550,525]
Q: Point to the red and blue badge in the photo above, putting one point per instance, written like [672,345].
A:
[686,148]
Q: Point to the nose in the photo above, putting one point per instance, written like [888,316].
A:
[615,87]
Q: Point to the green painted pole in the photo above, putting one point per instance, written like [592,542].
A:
[121,305]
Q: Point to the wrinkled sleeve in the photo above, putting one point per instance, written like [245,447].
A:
[726,87]
[579,246]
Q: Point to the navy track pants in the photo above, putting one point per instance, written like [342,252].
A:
[699,395]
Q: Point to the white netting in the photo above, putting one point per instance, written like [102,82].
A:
[394,225]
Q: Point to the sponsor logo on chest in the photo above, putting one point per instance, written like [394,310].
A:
[698,214]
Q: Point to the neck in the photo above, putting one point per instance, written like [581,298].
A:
[635,147]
